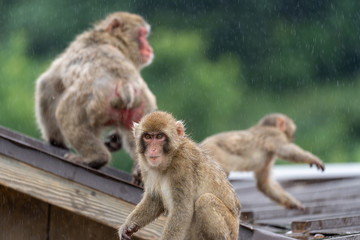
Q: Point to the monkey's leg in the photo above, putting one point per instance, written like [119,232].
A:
[51,130]
[46,103]
[92,151]
[82,136]
[213,220]
[271,188]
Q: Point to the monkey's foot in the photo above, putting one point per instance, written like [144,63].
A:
[294,205]
[78,159]
[136,176]
[97,164]
[113,142]
[58,144]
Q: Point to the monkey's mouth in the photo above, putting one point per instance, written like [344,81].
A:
[155,160]
[147,56]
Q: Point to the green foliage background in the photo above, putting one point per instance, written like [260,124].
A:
[219,65]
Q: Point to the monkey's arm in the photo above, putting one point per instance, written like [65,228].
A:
[291,152]
[126,96]
[145,212]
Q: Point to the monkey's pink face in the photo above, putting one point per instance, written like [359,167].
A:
[154,144]
[146,50]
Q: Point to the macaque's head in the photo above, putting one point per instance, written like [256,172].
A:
[157,136]
[131,32]
[281,122]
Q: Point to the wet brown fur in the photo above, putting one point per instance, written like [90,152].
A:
[75,97]
[256,150]
[193,190]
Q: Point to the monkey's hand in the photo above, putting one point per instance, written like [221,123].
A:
[127,96]
[317,162]
[126,231]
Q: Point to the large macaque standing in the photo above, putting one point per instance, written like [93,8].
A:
[256,149]
[181,179]
[94,84]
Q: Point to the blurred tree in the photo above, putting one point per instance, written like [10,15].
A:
[17,74]
[219,65]
[284,45]
[52,25]
[202,92]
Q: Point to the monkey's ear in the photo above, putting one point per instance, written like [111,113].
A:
[281,124]
[115,23]
[180,128]
[135,125]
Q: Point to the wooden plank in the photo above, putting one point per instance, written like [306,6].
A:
[285,222]
[347,237]
[341,189]
[270,212]
[65,225]
[34,144]
[257,233]
[21,216]
[326,223]
[116,173]
[31,142]
[306,193]
[313,196]
[70,195]
[338,231]
[71,171]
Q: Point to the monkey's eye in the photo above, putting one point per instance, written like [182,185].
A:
[147,136]
[159,136]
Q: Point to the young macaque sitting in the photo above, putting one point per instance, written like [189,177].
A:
[181,179]
[256,149]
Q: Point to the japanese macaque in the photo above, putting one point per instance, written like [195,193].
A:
[256,149]
[181,179]
[95,84]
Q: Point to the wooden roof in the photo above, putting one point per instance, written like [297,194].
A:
[37,169]
[332,205]
[106,196]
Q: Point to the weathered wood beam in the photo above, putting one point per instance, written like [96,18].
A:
[325,223]
[70,195]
